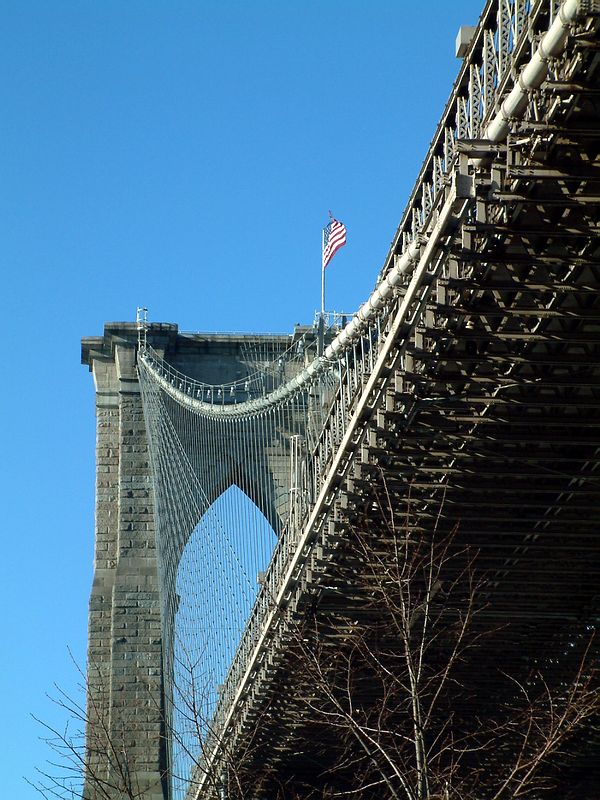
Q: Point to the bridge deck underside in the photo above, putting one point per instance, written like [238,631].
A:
[489,430]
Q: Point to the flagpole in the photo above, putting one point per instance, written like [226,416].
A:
[321,328]
[336,238]
[323,273]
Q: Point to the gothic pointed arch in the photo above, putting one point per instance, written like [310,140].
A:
[218,577]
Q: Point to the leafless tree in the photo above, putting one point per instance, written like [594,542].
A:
[397,692]
[89,758]
[396,697]
[92,759]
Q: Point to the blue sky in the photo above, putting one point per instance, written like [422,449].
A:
[180,155]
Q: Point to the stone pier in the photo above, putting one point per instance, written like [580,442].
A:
[127,744]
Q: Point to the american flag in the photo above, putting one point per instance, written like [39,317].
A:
[334,237]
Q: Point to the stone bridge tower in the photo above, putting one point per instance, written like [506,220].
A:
[126,731]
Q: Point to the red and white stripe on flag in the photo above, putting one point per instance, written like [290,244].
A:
[334,237]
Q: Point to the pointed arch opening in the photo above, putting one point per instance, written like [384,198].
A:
[218,578]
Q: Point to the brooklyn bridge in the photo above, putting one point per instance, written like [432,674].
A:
[361,560]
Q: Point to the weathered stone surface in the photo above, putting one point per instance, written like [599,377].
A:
[125,630]
[124,672]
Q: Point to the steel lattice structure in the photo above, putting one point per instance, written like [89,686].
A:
[466,390]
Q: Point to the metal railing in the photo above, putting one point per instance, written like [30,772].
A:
[508,33]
